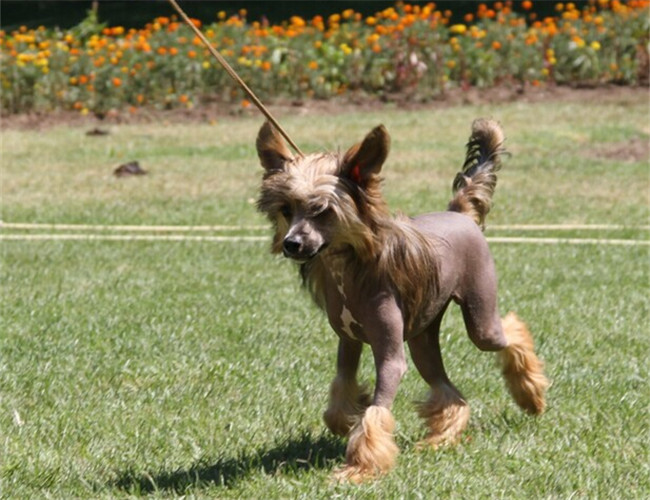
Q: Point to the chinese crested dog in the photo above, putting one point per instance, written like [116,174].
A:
[387,280]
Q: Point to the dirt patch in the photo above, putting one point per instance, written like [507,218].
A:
[213,111]
[633,150]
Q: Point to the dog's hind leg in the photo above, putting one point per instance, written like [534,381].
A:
[521,368]
[347,400]
[445,412]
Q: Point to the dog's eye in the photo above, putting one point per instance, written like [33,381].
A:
[285,210]
[322,211]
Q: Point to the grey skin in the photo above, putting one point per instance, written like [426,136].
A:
[466,275]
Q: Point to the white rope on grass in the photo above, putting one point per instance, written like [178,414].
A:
[235,239]
[567,241]
[218,228]
[564,227]
[129,237]
[127,228]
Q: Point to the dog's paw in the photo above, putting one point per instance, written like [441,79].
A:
[354,474]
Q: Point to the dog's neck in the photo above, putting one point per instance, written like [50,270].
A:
[395,256]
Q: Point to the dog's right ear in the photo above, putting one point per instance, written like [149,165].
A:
[364,160]
[271,149]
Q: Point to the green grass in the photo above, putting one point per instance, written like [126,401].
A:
[166,369]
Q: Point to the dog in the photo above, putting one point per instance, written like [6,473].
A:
[387,280]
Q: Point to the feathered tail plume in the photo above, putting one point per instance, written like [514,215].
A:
[474,186]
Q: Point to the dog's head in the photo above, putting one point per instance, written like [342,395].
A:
[321,201]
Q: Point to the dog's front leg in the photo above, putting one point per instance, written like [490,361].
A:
[348,400]
[371,447]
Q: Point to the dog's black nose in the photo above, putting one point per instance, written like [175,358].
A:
[291,246]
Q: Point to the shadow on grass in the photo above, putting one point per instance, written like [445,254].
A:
[292,456]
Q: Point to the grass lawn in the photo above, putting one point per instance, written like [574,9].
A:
[197,368]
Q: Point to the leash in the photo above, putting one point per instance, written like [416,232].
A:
[233,74]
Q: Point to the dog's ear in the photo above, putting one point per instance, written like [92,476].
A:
[271,149]
[365,159]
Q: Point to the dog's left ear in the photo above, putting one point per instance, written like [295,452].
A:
[271,149]
[365,159]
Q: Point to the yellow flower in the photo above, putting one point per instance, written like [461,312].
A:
[346,49]
[595,45]
[458,29]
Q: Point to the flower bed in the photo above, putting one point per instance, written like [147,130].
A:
[409,49]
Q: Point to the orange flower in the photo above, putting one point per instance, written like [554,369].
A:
[297,21]
[162,51]
[245,103]
[266,66]
[191,54]
[526,5]
[116,81]
[531,39]
[173,51]
[496,45]
[183,98]
[313,65]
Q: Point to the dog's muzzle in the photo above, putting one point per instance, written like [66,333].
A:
[296,248]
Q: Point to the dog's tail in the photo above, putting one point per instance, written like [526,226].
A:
[474,186]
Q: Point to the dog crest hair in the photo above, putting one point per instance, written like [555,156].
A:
[387,280]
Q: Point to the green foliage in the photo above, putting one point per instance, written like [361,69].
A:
[408,49]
